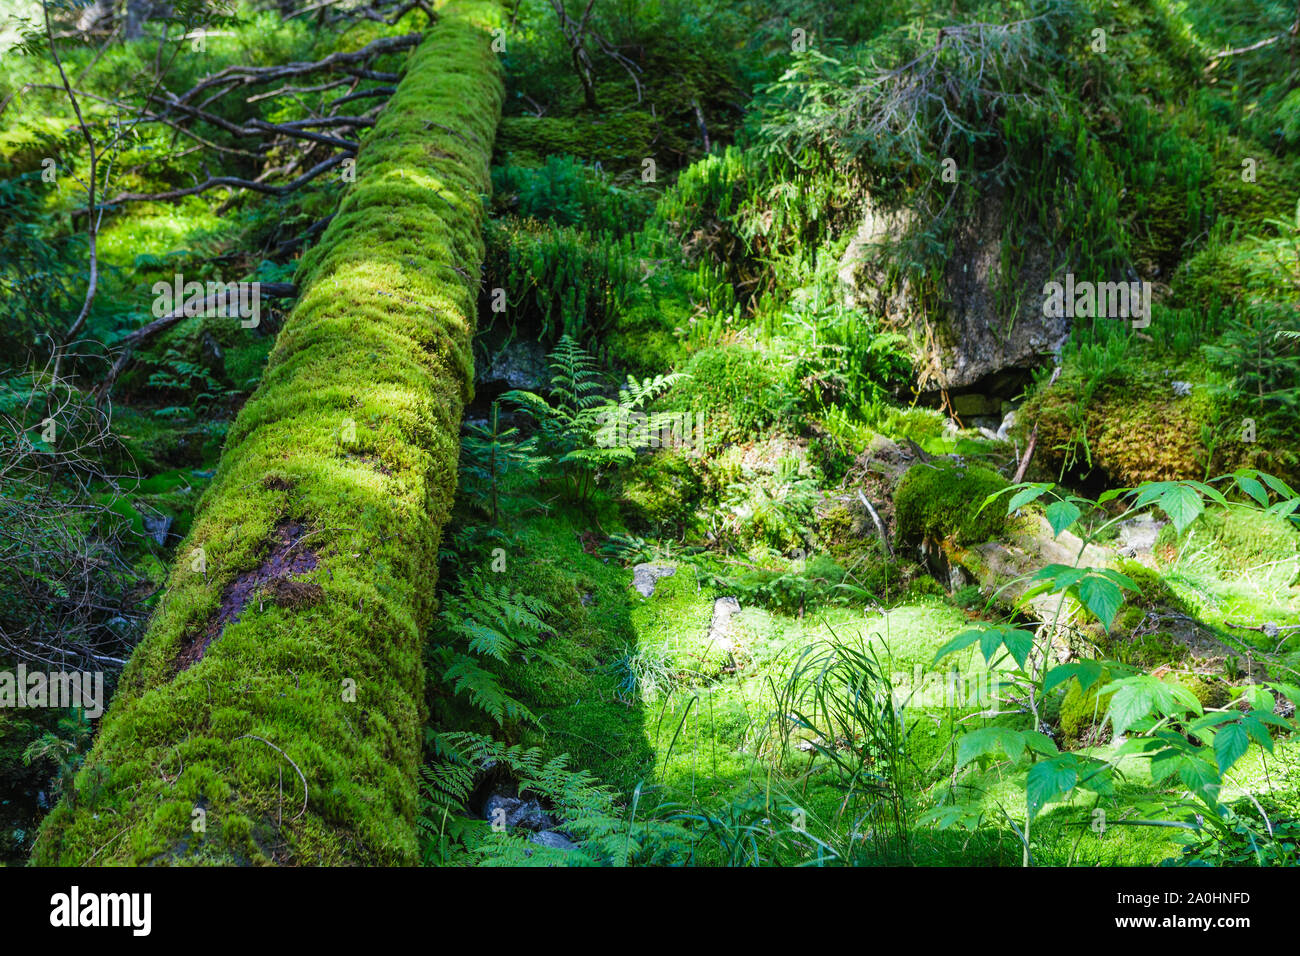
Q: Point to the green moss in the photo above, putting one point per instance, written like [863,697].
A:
[1211,692]
[660,493]
[922,587]
[1082,712]
[372,365]
[1136,430]
[574,686]
[1240,541]
[942,499]
[618,141]
[740,391]
[1152,587]
[1150,648]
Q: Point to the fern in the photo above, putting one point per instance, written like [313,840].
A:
[609,834]
[485,625]
[583,431]
[445,786]
[775,510]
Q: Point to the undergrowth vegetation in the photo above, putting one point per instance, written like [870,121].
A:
[785,524]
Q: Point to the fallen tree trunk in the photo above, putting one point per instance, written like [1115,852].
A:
[272,712]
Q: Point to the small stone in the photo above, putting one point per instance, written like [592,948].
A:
[646,576]
[554,840]
[157,527]
[720,627]
[1008,422]
[516,812]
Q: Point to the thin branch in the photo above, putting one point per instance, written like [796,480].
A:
[301,775]
[272,290]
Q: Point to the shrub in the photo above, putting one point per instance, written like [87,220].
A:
[569,193]
[773,510]
[559,279]
[660,494]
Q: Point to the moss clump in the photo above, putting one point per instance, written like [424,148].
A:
[740,390]
[1153,648]
[617,141]
[1152,587]
[1147,650]
[222,713]
[1082,713]
[1211,692]
[660,495]
[942,499]
[1136,430]
[921,588]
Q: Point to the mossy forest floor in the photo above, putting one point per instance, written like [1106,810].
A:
[677,260]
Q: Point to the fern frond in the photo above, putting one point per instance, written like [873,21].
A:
[485,690]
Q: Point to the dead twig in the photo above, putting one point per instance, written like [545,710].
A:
[301,775]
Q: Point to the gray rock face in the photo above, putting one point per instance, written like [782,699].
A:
[157,527]
[520,365]
[556,841]
[510,811]
[1137,536]
[645,576]
[986,328]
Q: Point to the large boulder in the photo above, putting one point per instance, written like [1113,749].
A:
[987,325]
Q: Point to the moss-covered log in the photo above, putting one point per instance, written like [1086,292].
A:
[272,712]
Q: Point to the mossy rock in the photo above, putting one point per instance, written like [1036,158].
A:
[1152,587]
[922,587]
[660,493]
[1148,649]
[1211,692]
[1136,431]
[941,499]
[836,529]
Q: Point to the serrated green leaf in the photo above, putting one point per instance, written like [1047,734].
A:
[1277,484]
[1182,504]
[990,641]
[1039,742]
[1025,495]
[986,740]
[1230,743]
[1102,597]
[1062,514]
[1088,673]
[1132,702]
[963,640]
[1018,644]
[1048,780]
[1253,488]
